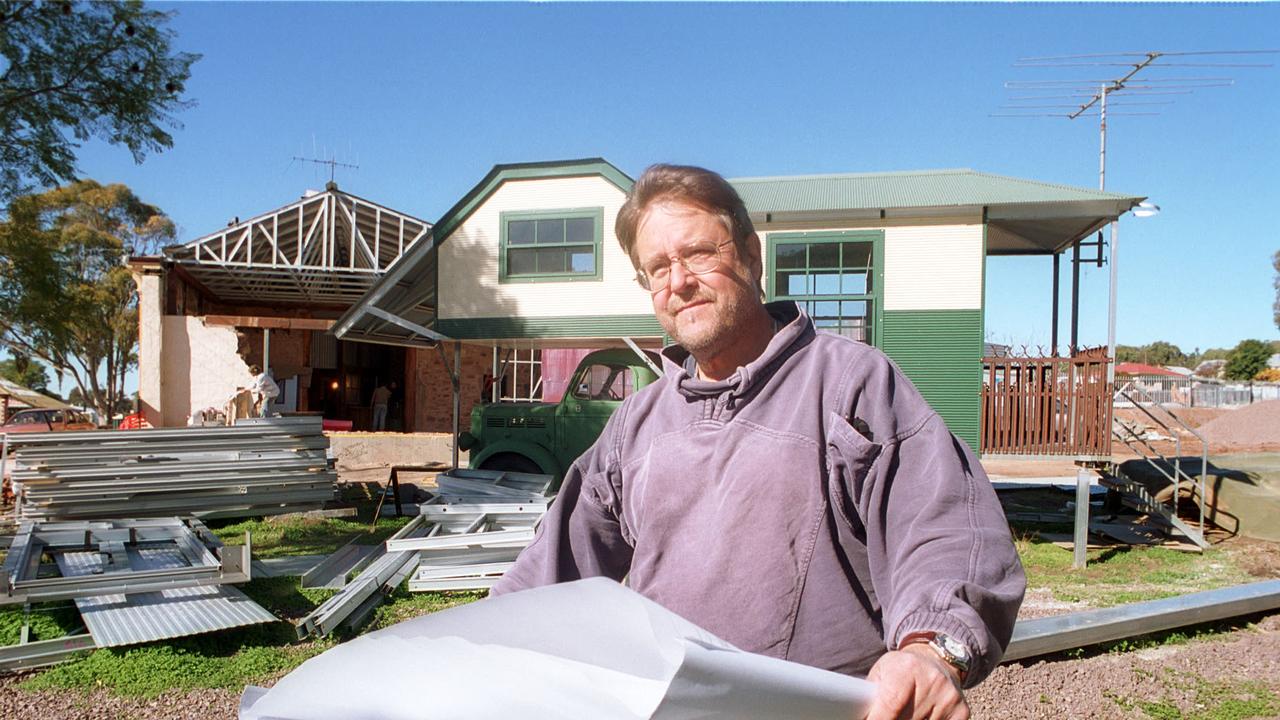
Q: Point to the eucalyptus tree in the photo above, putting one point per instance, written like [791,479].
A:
[66,296]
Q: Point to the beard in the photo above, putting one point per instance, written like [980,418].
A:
[716,325]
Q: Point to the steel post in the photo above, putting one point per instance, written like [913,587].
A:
[457,397]
[1053,332]
[1081,540]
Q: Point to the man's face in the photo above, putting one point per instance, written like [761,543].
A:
[701,312]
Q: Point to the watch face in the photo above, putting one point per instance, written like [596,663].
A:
[956,648]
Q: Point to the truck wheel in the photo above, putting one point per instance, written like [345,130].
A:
[510,462]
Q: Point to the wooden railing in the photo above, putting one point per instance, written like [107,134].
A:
[1047,405]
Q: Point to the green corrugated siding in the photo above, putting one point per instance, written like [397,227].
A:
[550,327]
[941,351]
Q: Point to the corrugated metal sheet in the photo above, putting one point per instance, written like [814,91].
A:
[115,620]
[27,396]
[941,351]
[930,188]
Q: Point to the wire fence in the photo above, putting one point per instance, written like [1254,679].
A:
[1203,392]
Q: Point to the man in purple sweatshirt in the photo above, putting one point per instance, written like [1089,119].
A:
[786,489]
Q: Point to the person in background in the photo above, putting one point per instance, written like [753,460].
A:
[264,390]
[381,397]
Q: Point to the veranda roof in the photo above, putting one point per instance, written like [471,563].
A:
[1024,217]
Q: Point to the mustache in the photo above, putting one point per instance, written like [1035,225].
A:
[675,305]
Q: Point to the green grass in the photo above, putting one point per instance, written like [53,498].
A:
[228,659]
[402,605]
[1122,575]
[283,536]
[47,621]
[1188,696]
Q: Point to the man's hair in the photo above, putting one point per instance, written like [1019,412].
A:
[696,186]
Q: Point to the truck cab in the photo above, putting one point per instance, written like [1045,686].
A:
[547,437]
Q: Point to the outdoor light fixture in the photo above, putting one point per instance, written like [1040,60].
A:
[1146,209]
[333,385]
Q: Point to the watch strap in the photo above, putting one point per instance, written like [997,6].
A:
[952,651]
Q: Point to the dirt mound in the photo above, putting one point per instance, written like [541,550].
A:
[1256,424]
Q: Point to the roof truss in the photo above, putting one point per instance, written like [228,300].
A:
[328,247]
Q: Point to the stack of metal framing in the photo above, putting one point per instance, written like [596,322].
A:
[469,546]
[463,539]
[481,486]
[133,581]
[257,467]
[479,521]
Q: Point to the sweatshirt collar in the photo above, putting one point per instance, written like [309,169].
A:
[795,331]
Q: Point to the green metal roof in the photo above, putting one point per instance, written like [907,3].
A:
[1021,216]
[928,188]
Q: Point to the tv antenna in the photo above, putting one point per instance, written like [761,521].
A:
[333,165]
[1077,98]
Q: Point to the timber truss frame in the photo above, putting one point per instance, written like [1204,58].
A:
[328,248]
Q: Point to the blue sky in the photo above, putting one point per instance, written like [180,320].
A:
[426,98]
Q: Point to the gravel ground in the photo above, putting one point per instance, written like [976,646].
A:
[1089,687]
[1108,686]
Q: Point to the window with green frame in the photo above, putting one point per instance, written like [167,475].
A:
[832,277]
[550,245]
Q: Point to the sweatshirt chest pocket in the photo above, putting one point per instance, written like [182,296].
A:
[725,522]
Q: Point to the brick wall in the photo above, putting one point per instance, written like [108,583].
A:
[290,353]
[433,395]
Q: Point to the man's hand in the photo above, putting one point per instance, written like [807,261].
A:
[915,683]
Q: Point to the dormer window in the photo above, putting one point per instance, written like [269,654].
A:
[550,245]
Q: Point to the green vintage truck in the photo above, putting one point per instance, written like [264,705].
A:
[548,437]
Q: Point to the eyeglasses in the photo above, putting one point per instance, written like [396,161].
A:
[699,258]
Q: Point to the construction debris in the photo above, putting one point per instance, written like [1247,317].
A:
[256,467]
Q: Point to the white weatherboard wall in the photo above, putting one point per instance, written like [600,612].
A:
[933,268]
[926,267]
[469,286]
[200,365]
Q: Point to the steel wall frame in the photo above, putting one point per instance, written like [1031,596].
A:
[21,583]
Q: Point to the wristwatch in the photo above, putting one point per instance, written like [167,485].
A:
[952,651]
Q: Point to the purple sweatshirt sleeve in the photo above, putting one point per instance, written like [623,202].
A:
[580,536]
[939,550]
